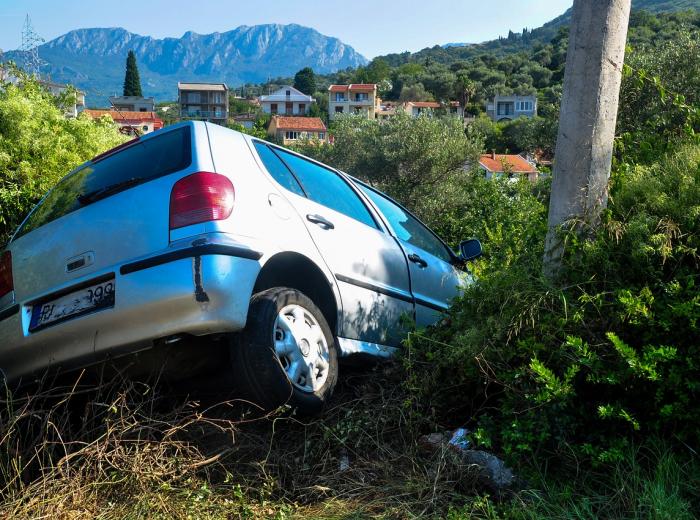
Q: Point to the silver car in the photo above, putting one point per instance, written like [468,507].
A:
[199,231]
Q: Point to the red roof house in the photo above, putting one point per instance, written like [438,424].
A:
[510,166]
[129,122]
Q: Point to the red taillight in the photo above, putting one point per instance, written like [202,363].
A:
[200,197]
[6,284]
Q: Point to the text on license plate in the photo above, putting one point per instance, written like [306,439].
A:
[74,304]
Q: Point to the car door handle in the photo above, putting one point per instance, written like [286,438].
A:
[318,219]
[417,260]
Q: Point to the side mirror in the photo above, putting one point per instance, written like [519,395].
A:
[470,249]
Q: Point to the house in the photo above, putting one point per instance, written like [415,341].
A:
[507,166]
[245,120]
[420,108]
[133,103]
[72,108]
[507,108]
[288,129]
[417,108]
[286,101]
[203,101]
[129,122]
[357,98]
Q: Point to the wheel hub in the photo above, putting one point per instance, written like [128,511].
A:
[302,348]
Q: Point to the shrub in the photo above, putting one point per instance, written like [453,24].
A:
[610,352]
[39,145]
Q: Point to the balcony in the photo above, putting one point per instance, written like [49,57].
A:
[203,114]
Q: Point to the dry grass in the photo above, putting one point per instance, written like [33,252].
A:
[128,449]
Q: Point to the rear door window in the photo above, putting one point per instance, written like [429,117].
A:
[277,169]
[137,163]
[327,188]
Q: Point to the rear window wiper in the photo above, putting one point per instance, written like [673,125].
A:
[101,193]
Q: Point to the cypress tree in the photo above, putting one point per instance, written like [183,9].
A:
[132,81]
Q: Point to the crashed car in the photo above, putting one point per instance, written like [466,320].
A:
[198,231]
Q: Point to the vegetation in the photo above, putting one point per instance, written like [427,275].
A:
[132,80]
[588,386]
[305,81]
[38,146]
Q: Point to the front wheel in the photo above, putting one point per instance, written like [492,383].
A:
[286,353]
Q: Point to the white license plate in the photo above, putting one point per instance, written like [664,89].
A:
[73,304]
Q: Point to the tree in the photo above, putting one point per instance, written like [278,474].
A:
[419,161]
[465,87]
[39,145]
[132,80]
[587,120]
[305,81]
[415,92]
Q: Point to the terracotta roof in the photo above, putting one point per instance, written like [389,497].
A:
[356,87]
[313,124]
[425,104]
[498,163]
[123,116]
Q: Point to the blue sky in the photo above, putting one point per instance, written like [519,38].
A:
[372,27]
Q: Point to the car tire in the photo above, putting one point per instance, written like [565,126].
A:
[286,354]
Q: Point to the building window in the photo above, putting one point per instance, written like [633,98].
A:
[273,108]
[504,108]
[144,128]
[302,108]
[288,93]
[142,110]
[523,106]
[288,108]
[338,110]
[339,96]
[216,97]
[291,136]
[361,96]
[321,135]
[193,97]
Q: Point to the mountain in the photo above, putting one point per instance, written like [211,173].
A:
[94,59]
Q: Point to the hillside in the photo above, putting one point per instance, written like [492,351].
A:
[526,39]
[93,59]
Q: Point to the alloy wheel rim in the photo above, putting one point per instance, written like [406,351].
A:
[302,348]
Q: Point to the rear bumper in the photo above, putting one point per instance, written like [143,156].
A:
[200,289]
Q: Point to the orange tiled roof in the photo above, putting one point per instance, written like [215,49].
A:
[124,116]
[355,87]
[498,163]
[308,124]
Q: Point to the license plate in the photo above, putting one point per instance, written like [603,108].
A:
[74,304]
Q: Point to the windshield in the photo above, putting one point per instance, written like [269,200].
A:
[142,161]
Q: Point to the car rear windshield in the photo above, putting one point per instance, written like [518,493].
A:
[137,163]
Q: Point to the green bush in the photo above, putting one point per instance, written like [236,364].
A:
[611,351]
[39,145]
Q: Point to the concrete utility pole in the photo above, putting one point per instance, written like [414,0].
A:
[587,120]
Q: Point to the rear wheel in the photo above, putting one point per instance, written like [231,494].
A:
[287,352]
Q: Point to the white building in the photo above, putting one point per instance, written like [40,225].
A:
[286,101]
[133,103]
[75,105]
[507,108]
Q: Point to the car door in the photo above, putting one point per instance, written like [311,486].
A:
[369,266]
[434,278]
